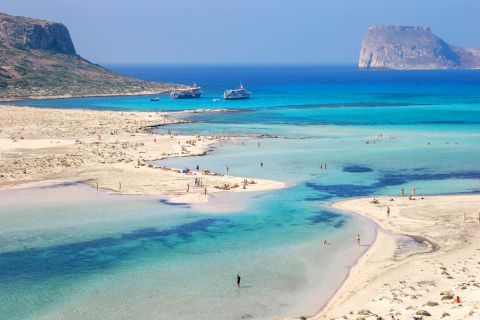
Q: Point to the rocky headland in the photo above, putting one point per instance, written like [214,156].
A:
[411,47]
[38,59]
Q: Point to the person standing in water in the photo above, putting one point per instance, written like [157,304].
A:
[238,281]
[402,192]
[358,239]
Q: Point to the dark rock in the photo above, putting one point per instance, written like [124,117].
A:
[365,313]
[423,313]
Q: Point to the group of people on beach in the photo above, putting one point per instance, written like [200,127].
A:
[414,193]
[198,182]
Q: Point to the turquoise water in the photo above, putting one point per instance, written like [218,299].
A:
[140,258]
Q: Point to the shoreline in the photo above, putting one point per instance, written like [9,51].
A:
[109,150]
[69,96]
[384,267]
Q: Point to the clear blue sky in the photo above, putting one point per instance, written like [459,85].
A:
[248,31]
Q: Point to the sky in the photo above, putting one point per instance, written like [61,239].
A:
[242,31]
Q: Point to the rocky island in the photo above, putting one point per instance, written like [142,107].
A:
[38,59]
[412,47]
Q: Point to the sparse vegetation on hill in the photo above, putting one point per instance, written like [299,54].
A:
[38,59]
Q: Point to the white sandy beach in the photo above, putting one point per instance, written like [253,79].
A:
[111,149]
[397,278]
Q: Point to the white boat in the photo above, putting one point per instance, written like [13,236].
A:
[187,93]
[236,94]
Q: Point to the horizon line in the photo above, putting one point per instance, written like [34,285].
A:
[229,63]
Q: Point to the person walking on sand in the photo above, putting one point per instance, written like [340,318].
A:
[188,187]
[464,217]
[238,281]
[358,239]
[205,191]
[479,217]
[388,211]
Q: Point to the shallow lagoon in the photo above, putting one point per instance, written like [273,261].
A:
[137,258]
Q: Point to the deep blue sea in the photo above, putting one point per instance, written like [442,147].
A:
[139,258]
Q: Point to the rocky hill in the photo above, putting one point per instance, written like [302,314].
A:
[408,47]
[38,59]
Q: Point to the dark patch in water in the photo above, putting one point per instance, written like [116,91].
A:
[327,218]
[356,168]
[339,224]
[353,190]
[62,184]
[174,204]
[102,253]
[318,198]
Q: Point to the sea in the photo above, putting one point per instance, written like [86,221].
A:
[330,132]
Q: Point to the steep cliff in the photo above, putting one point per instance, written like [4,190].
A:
[25,33]
[407,47]
[38,59]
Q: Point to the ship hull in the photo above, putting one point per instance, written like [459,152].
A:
[237,98]
[189,96]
